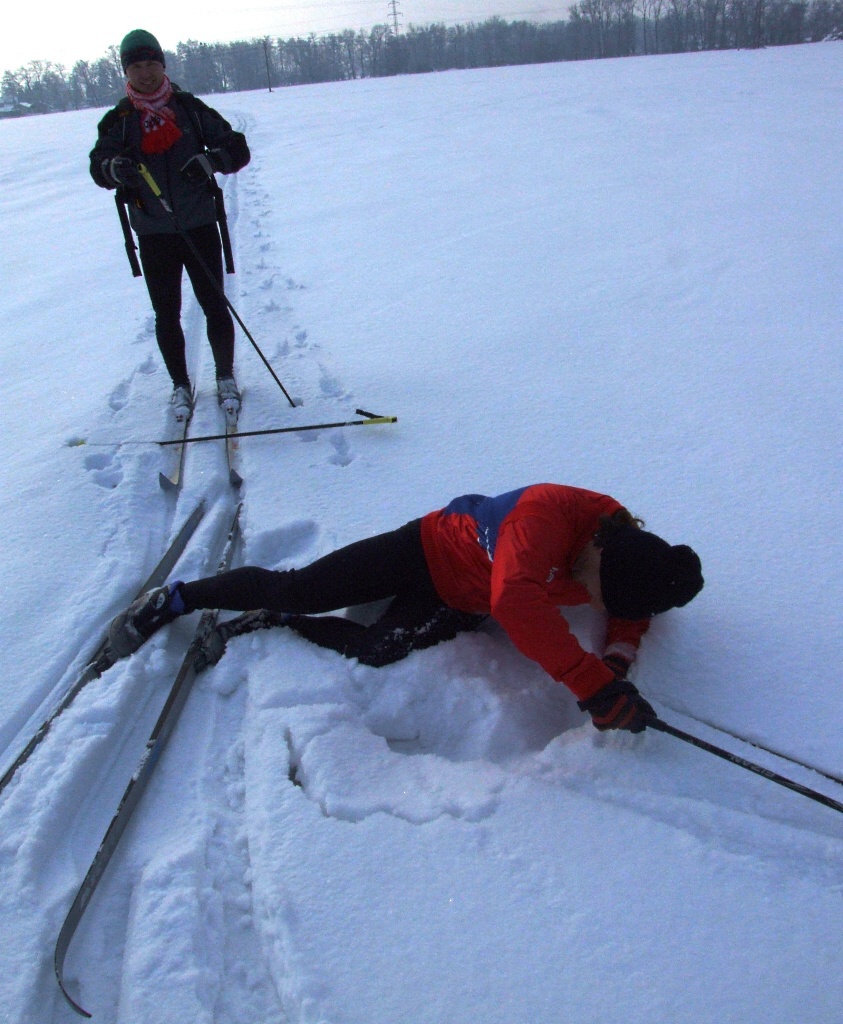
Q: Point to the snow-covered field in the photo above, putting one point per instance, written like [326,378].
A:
[624,275]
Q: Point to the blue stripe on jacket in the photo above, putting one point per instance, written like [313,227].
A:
[488,514]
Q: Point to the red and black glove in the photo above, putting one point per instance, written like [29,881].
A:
[618,705]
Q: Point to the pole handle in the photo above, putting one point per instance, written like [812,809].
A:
[143,171]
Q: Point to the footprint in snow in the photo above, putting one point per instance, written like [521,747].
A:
[105,470]
[146,332]
[329,385]
[119,396]
[342,451]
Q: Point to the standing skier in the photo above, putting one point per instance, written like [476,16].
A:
[184,143]
[516,557]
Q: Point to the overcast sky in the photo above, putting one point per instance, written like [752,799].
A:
[83,29]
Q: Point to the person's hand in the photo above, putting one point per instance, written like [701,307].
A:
[618,705]
[122,170]
[199,168]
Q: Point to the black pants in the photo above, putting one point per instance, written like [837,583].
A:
[163,257]
[391,565]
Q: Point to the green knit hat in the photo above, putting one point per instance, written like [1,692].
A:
[140,45]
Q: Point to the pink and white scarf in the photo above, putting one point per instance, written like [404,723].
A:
[158,122]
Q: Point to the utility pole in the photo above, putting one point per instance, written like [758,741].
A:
[266,58]
[395,14]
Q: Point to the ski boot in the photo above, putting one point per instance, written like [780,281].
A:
[145,616]
[182,403]
[228,396]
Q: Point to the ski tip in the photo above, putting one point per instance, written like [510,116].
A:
[234,478]
[74,1005]
[58,963]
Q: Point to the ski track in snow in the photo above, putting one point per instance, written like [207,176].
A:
[293,773]
[206,879]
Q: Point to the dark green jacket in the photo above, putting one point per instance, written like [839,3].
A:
[203,128]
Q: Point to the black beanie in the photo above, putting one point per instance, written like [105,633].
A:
[140,45]
[642,575]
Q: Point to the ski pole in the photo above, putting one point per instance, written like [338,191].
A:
[143,170]
[741,762]
[283,430]
[761,746]
[371,420]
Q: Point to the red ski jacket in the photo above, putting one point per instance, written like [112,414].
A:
[512,557]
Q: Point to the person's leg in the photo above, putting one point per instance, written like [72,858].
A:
[368,570]
[162,263]
[413,622]
[220,326]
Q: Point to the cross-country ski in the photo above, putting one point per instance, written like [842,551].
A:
[170,478]
[152,753]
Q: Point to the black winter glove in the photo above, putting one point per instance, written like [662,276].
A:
[203,166]
[122,170]
[618,705]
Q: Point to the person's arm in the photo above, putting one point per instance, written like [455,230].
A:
[618,704]
[112,164]
[529,549]
[228,150]
[622,639]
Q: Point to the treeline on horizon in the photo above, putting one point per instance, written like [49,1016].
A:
[593,29]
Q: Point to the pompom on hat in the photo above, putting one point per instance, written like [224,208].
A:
[140,45]
[642,575]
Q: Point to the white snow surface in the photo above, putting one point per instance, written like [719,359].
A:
[623,275]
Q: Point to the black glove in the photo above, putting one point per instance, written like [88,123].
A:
[122,170]
[201,167]
[618,705]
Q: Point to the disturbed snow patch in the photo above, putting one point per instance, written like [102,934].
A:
[431,736]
